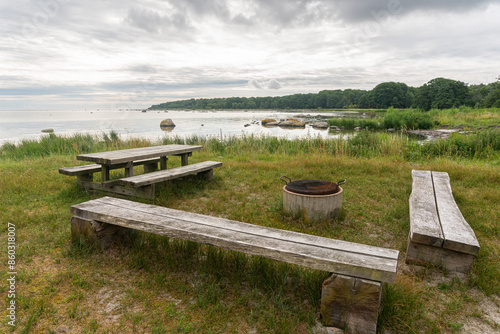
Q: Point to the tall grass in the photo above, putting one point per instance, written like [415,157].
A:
[352,123]
[482,145]
[408,119]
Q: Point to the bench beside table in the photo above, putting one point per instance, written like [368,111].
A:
[439,234]
[350,296]
[127,159]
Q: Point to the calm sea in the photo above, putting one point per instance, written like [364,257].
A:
[19,125]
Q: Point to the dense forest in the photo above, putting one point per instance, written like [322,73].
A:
[439,93]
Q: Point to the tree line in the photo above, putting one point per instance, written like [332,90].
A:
[438,93]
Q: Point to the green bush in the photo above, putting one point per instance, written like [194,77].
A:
[351,123]
[408,119]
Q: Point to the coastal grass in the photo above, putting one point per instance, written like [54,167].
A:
[408,119]
[157,284]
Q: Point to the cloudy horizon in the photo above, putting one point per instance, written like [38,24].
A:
[63,54]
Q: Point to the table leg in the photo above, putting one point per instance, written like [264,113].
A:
[129,169]
[184,158]
[163,162]
[104,173]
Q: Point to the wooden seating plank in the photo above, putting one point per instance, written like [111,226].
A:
[315,252]
[425,227]
[78,170]
[458,235]
[120,156]
[169,174]
[94,168]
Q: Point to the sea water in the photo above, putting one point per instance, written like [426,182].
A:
[19,125]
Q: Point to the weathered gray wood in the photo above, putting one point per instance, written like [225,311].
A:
[98,234]
[374,263]
[458,235]
[184,158]
[104,173]
[115,157]
[129,169]
[113,187]
[447,259]
[169,174]
[95,168]
[455,245]
[350,303]
[425,227]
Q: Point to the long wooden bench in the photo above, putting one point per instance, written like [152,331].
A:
[350,296]
[439,234]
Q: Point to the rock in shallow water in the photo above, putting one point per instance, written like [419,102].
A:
[167,123]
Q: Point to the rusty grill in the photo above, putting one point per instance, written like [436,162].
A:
[312,187]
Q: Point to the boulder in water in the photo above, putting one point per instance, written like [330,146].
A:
[167,123]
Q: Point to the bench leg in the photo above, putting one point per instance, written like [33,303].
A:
[84,180]
[100,235]
[448,259]
[350,303]
[163,163]
[207,175]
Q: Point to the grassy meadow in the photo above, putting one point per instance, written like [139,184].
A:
[161,285]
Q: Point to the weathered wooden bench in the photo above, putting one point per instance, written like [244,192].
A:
[350,296]
[85,173]
[439,234]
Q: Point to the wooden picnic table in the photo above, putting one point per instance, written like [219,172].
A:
[149,157]
[109,159]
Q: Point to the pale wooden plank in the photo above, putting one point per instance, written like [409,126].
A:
[94,168]
[169,174]
[256,229]
[458,235]
[78,170]
[425,227]
[120,156]
[323,254]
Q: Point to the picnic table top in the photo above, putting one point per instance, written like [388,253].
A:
[133,154]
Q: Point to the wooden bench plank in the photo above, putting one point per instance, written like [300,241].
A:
[95,168]
[319,253]
[120,156]
[425,227]
[458,235]
[169,174]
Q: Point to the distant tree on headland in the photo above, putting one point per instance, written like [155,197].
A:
[438,93]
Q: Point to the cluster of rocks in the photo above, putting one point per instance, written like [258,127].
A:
[291,123]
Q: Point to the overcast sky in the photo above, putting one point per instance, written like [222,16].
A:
[132,54]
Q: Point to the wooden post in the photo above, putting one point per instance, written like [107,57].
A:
[184,158]
[104,173]
[207,175]
[100,235]
[129,169]
[83,180]
[163,162]
[350,303]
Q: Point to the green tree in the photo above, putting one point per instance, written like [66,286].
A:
[391,94]
[441,93]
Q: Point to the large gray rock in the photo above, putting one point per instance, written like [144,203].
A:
[167,123]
